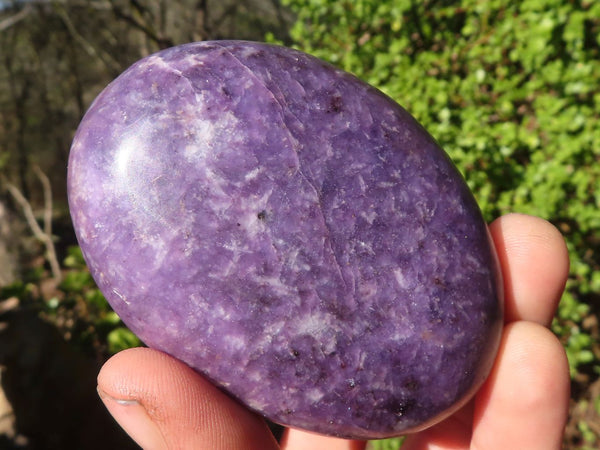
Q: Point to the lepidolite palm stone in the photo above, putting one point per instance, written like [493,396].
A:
[289,232]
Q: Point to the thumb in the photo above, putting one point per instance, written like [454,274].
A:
[163,404]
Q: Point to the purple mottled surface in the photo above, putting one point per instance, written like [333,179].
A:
[289,232]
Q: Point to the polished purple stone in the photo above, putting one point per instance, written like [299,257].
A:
[289,232]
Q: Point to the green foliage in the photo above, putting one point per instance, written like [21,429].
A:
[588,434]
[386,444]
[121,338]
[509,89]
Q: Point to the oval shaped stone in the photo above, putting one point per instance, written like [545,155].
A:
[289,232]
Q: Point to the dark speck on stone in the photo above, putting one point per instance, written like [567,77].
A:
[289,232]
[335,104]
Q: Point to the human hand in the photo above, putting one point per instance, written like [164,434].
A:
[163,404]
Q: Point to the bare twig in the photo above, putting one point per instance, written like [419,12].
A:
[43,235]
[110,62]
[12,20]
[137,21]
[47,199]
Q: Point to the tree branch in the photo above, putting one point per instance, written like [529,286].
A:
[103,56]
[44,236]
[142,26]
[47,199]
[12,20]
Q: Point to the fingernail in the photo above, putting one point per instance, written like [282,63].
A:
[134,419]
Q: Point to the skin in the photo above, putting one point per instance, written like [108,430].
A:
[163,404]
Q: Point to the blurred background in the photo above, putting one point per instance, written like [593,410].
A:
[509,89]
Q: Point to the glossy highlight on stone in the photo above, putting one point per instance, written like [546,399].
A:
[291,233]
